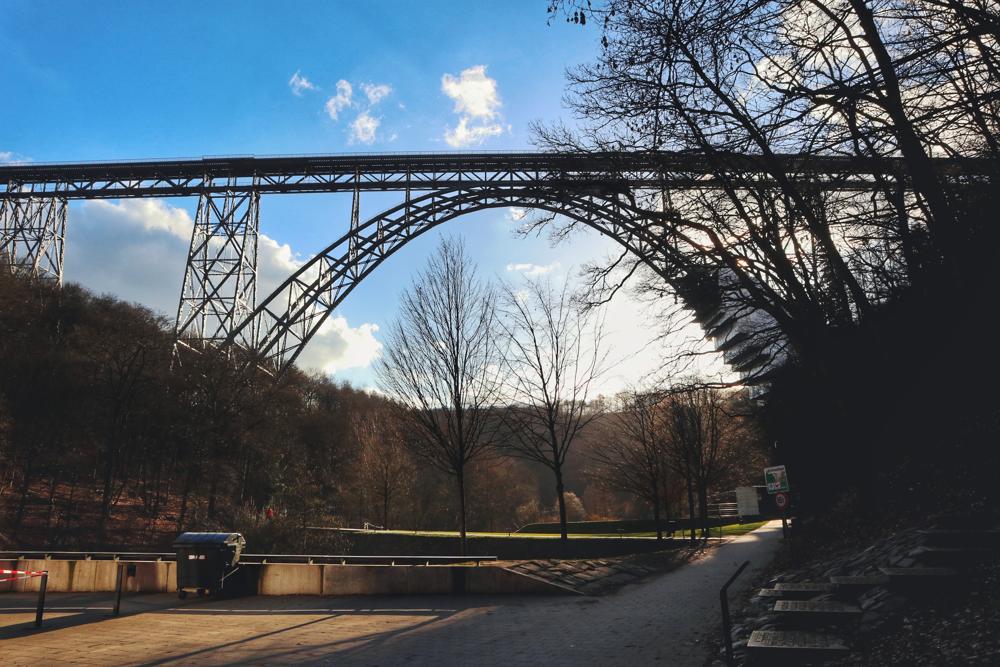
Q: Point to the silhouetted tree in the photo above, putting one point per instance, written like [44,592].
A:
[635,457]
[845,285]
[554,354]
[384,464]
[441,360]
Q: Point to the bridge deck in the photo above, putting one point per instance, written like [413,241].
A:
[422,171]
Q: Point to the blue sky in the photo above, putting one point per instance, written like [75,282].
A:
[115,80]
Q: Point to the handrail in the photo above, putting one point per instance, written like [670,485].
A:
[248,558]
[54,554]
[726,629]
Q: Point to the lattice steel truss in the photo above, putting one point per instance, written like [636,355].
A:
[288,318]
[220,279]
[217,304]
[33,235]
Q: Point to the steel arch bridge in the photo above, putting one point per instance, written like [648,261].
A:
[218,303]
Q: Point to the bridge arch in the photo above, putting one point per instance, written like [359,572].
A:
[283,323]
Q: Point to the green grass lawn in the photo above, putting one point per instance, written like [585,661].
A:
[737,529]
[726,531]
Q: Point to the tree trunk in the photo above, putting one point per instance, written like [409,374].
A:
[461,509]
[665,497]
[185,493]
[23,502]
[703,507]
[385,508]
[690,491]
[53,482]
[561,495]
[109,477]
[656,519]
[213,490]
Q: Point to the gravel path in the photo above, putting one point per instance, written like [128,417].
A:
[662,619]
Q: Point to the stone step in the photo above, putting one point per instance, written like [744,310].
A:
[793,647]
[796,591]
[770,593]
[921,580]
[812,612]
[858,584]
[961,537]
[951,555]
[815,587]
[918,573]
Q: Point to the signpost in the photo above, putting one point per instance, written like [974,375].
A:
[746,501]
[781,500]
[776,479]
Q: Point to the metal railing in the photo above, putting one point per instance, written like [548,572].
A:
[247,558]
[726,622]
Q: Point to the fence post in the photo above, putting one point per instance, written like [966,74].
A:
[726,629]
[41,598]
[118,588]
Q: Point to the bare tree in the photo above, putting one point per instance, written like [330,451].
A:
[704,440]
[831,278]
[384,465]
[635,456]
[555,354]
[729,78]
[441,360]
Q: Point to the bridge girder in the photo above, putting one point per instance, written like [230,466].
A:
[416,171]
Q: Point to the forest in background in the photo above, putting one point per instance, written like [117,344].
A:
[107,440]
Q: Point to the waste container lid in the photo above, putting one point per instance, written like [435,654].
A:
[204,539]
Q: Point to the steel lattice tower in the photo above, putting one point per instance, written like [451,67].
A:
[32,236]
[220,279]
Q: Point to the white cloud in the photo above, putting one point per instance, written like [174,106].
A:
[338,346]
[475,94]
[10,157]
[299,84]
[477,102]
[341,100]
[532,270]
[376,92]
[463,135]
[136,250]
[150,215]
[363,128]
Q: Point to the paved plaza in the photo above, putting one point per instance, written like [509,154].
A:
[665,619]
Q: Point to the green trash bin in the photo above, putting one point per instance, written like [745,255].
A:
[205,560]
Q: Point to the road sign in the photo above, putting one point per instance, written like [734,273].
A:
[776,479]
[746,501]
[781,500]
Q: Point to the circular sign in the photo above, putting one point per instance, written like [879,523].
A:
[781,500]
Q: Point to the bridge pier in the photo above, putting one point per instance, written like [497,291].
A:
[32,233]
[220,279]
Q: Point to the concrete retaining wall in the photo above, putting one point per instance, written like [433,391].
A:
[90,576]
[77,576]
